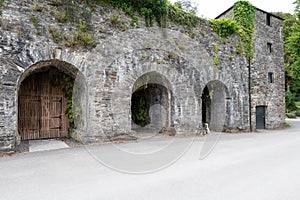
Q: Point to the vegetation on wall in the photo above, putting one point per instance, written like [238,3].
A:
[55,33]
[148,8]
[72,11]
[66,83]
[77,13]
[37,8]
[181,12]
[1,4]
[242,23]
[244,15]
[118,22]
[224,27]
[35,22]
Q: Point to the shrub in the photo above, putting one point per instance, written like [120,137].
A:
[287,125]
[84,39]
[61,16]
[290,115]
[290,100]
[224,27]
[37,8]
[297,113]
[55,33]
[35,21]
[179,16]
[182,12]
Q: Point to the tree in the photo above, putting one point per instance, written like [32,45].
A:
[292,48]
[289,57]
[291,32]
[187,6]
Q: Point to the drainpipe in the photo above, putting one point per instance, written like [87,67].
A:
[249,93]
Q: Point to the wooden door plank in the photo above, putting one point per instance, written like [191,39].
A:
[41,109]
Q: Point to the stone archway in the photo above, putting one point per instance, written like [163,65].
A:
[127,74]
[48,107]
[151,102]
[214,106]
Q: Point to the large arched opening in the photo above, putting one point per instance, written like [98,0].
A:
[151,103]
[48,107]
[214,106]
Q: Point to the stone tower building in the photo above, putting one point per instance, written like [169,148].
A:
[120,78]
[266,74]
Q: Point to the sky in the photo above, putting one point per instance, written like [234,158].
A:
[212,8]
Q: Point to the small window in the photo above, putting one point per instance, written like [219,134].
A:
[268,19]
[270,77]
[269,47]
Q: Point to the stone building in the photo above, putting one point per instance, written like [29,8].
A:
[267,93]
[130,77]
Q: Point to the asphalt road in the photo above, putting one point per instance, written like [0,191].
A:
[264,165]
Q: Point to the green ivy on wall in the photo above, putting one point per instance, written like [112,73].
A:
[224,27]
[159,10]
[242,23]
[1,4]
[148,8]
[244,14]
[179,16]
[66,83]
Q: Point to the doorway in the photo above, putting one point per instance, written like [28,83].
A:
[42,108]
[151,104]
[260,117]
[214,108]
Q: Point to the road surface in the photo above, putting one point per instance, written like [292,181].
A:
[264,165]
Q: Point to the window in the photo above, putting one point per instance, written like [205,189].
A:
[269,47]
[270,77]
[268,19]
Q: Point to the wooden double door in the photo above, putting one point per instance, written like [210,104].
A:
[41,108]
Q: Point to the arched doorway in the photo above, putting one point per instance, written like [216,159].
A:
[151,102]
[45,100]
[206,106]
[214,109]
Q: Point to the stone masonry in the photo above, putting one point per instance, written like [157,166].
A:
[177,59]
[268,61]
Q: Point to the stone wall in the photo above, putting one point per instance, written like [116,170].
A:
[108,70]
